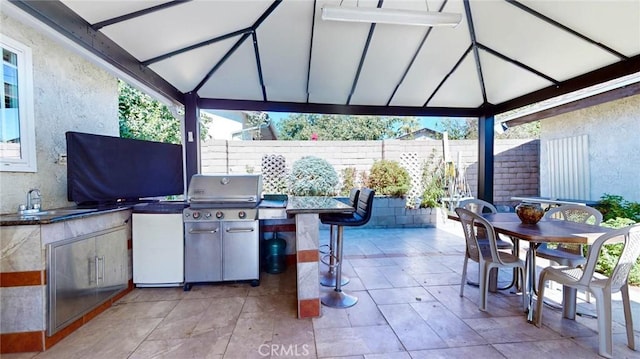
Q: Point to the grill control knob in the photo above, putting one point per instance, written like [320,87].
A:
[195,215]
[219,215]
[242,214]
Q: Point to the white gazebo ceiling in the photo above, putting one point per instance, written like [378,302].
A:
[280,55]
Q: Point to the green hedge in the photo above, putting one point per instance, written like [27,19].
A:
[617,213]
[388,178]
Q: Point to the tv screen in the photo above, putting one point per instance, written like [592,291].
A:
[105,169]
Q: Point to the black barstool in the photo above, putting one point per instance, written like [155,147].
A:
[337,298]
[330,258]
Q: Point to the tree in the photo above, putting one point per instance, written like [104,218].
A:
[344,127]
[256,121]
[460,129]
[467,129]
[143,118]
[408,125]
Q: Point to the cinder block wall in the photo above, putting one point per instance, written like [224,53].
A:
[516,165]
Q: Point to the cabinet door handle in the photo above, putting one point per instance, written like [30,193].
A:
[96,267]
[203,231]
[101,276]
[239,230]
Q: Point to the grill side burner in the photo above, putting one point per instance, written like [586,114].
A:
[222,240]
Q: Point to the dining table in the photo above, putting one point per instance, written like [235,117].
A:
[546,230]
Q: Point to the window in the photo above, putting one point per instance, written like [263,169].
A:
[17,129]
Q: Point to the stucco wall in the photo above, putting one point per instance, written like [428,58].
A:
[614,148]
[70,94]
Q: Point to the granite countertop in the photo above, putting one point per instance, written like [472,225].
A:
[161,207]
[48,216]
[311,204]
[294,205]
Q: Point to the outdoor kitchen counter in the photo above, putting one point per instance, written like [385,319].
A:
[306,211]
[48,216]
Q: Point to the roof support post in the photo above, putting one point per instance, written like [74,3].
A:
[191,135]
[485,157]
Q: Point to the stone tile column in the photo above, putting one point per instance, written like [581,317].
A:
[307,256]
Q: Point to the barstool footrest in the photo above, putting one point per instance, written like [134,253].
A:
[325,259]
[335,299]
[328,279]
[322,249]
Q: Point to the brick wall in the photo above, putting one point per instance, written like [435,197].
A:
[516,164]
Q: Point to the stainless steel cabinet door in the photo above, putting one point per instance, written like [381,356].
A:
[111,257]
[203,252]
[241,252]
[83,272]
[72,283]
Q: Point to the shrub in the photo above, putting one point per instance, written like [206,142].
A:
[433,182]
[364,178]
[348,180]
[612,207]
[389,178]
[617,213]
[312,176]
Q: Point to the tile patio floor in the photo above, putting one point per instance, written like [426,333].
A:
[407,282]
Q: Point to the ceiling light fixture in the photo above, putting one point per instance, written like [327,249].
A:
[390,16]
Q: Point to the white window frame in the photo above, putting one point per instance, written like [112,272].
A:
[27,160]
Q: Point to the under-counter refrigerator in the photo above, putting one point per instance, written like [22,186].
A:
[158,244]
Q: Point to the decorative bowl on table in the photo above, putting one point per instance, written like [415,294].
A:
[529,213]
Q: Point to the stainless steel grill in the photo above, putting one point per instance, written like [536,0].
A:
[224,191]
[221,229]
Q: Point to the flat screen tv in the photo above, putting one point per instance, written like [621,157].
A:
[106,169]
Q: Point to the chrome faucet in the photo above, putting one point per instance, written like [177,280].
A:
[34,200]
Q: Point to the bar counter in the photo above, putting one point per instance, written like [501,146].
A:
[306,211]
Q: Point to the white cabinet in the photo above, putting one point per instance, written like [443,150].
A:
[83,273]
[158,249]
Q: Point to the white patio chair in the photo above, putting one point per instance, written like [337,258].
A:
[488,257]
[599,285]
[479,206]
[569,254]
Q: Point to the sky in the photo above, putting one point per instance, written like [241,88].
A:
[428,122]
